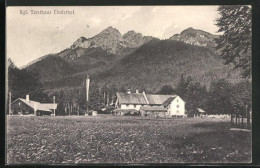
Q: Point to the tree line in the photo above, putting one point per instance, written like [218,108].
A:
[220,97]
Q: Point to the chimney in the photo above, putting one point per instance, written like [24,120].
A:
[137,91]
[129,91]
[27,98]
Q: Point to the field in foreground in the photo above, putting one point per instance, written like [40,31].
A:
[79,139]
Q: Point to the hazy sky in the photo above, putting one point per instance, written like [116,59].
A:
[31,36]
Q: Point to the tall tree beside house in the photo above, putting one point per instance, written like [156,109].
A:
[193,93]
[181,88]
[194,96]
[235,45]
[220,93]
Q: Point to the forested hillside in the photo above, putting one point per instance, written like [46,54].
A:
[157,63]
[51,67]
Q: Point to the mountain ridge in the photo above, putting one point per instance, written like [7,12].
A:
[112,40]
[131,39]
[112,58]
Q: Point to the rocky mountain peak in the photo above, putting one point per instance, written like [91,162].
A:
[132,33]
[195,37]
[133,39]
[111,40]
[110,31]
[188,29]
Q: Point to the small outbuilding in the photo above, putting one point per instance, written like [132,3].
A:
[200,113]
[28,107]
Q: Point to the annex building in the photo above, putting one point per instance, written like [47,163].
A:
[28,107]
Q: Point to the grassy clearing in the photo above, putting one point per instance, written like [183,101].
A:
[109,139]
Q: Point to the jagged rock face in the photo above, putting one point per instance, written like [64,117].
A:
[112,41]
[109,39]
[81,42]
[133,39]
[195,37]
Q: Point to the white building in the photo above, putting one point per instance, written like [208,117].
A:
[175,106]
[163,105]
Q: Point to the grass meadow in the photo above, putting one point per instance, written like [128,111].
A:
[124,139]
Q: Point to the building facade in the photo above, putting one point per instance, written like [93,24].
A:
[161,105]
[175,106]
[28,107]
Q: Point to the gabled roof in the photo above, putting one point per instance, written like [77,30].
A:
[168,101]
[200,110]
[157,99]
[50,105]
[131,98]
[142,98]
[158,108]
[38,105]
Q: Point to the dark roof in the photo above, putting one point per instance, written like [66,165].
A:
[141,98]
[131,98]
[168,101]
[39,106]
[158,108]
[157,99]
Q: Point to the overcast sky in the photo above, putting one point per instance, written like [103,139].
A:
[32,36]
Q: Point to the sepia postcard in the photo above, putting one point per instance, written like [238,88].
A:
[128,84]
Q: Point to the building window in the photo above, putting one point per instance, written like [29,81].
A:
[178,106]
[134,106]
[177,111]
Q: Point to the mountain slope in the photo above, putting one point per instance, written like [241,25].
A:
[160,63]
[155,64]
[51,67]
